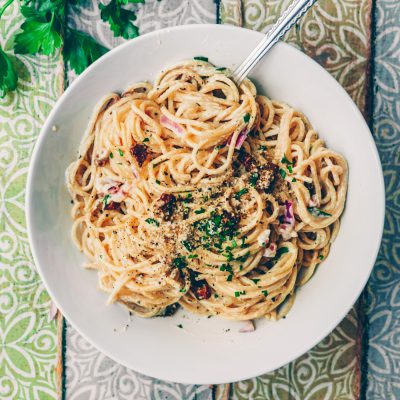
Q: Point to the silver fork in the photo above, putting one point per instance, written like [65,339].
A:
[290,16]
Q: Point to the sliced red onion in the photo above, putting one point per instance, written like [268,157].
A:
[288,217]
[314,202]
[270,251]
[240,139]
[263,237]
[121,193]
[134,171]
[248,326]
[104,184]
[104,153]
[286,229]
[173,126]
[113,189]
[52,311]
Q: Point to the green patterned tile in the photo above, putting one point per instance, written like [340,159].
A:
[27,337]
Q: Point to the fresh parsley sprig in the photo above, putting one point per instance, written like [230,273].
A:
[119,18]
[45,31]
[8,76]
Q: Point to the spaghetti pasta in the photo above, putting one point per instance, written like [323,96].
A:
[196,192]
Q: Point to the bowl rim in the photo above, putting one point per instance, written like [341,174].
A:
[42,136]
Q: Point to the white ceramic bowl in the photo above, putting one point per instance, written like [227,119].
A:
[204,351]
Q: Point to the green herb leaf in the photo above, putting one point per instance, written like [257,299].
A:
[193,256]
[318,212]
[119,19]
[220,69]
[200,211]
[229,278]
[145,140]
[111,155]
[188,246]
[180,326]
[152,221]
[280,251]
[321,257]
[240,193]
[201,58]
[246,118]
[8,76]
[121,153]
[282,172]
[237,294]
[179,262]
[294,180]
[40,32]
[243,244]
[264,292]
[105,199]
[256,281]
[262,147]
[80,50]
[285,160]
[182,290]
[244,257]
[254,178]
[158,182]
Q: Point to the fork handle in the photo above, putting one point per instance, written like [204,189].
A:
[289,17]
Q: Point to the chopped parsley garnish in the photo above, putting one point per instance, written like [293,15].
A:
[158,182]
[200,58]
[243,244]
[294,180]
[225,267]
[152,221]
[237,294]
[105,199]
[180,326]
[182,290]
[256,281]
[145,140]
[229,278]
[244,257]
[318,212]
[193,256]
[254,178]
[240,193]
[282,172]
[321,257]
[264,292]
[200,211]
[216,295]
[188,245]
[220,69]
[121,153]
[285,160]
[246,118]
[280,251]
[262,147]
[229,256]
[220,146]
[179,262]
[111,155]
